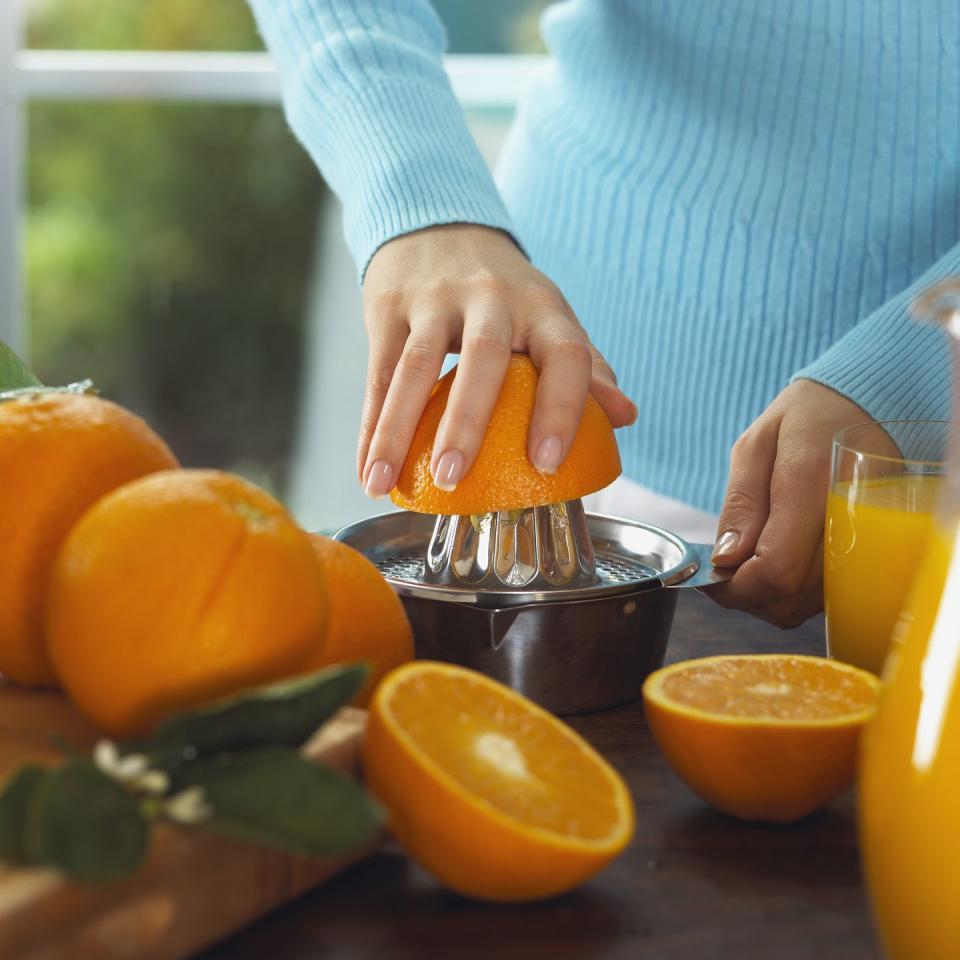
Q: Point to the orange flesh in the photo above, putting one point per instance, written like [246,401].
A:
[520,763]
[785,688]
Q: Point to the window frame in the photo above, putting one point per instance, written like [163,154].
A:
[480,82]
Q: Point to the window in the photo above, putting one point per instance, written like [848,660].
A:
[178,245]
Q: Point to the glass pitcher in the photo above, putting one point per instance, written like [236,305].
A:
[909,803]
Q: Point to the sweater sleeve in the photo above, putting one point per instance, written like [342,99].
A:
[365,91]
[889,364]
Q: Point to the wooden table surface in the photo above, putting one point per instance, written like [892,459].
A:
[694,884]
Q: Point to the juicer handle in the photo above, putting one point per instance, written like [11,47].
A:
[706,574]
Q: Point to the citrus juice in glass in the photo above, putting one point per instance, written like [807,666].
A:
[879,519]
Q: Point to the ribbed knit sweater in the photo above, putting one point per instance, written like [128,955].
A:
[730,193]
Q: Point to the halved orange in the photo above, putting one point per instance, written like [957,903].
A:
[761,737]
[493,795]
[501,477]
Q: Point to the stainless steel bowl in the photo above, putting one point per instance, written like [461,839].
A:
[572,649]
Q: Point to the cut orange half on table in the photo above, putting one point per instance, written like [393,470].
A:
[761,737]
[493,795]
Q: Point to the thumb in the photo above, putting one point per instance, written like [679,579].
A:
[746,505]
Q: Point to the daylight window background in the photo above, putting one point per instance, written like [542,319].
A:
[189,259]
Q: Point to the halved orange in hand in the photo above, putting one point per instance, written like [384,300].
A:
[493,795]
[502,477]
[761,737]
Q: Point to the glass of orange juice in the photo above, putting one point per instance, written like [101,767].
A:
[883,492]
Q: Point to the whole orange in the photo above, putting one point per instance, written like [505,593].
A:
[502,477]
[179,588]
[366,618]
[59,453]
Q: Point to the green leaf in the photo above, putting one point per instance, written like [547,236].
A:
[64,745]
[286,714]
[14,373]
[276,797]
[86,824]
[14,806]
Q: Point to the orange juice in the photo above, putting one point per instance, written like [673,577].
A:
[875,535]
[910,775]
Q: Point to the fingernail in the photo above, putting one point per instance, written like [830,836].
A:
[547,457]
[726,544]
[379,480]
[449,470]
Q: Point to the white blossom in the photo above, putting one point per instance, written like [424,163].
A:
[188,806]
[132,770]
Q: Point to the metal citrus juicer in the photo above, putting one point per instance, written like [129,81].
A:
[569,608]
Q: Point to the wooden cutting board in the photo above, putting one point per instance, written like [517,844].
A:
[194,889]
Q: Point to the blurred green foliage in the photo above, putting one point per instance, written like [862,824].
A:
[473,26]
[168,257]
[169,247]
[141,25]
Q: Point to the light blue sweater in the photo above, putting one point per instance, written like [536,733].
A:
[730,193]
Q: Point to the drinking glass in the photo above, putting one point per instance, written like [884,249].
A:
[885,479]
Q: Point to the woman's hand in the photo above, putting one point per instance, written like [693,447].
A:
[469,290]
[773,515]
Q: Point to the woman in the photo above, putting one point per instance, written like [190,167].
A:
[736,200]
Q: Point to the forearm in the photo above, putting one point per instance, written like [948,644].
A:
[365,92]
[890,365]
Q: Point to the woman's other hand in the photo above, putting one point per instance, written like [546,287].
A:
[773,515]
[469,290]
